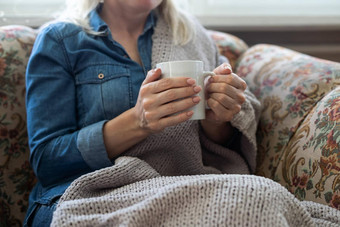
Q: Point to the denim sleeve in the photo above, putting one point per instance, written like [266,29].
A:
[60,150]
[91,139]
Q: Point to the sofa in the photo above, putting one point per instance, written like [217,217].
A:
[298,136]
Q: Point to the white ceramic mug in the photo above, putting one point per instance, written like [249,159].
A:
[194,70]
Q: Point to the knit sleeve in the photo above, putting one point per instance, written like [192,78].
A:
[243,158]
[246,122]
[223,158]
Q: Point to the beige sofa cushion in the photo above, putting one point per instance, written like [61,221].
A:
[289,86]
[310,165]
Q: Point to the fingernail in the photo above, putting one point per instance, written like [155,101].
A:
[196,99]
[191,81]
[153,71]
[226,66]
[211,80]
[197,89]
[190,113]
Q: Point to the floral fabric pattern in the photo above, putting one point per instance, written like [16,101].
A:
[310,167]
[16,176]
[229,46]
[299,153]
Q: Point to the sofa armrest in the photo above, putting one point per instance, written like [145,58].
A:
[16,176]
[310,164]
[298,134]
[229,45]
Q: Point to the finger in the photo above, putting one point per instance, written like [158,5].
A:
[168,83]
[220,113]
[152,75]
[228,90]
[175,119]
[232,79]
[223,69]
[172,120]
[177,106]
[175,94]
[227,102]
[210,115]
[224,100]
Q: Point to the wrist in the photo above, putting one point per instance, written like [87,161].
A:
[121,133]
[136,125]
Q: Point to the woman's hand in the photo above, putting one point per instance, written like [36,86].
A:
[160,104]
[163,103]
[225,96]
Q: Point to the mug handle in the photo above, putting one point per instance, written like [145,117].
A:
[205,75]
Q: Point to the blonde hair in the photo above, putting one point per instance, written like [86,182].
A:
[77,12]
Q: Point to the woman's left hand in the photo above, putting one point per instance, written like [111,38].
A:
[225,95]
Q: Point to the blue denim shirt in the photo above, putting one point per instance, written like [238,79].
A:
[75,83]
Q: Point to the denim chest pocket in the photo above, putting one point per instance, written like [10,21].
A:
[103,91]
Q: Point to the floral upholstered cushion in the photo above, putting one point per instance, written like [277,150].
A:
[229,45]
[290,86]
[310,166]
[16,176]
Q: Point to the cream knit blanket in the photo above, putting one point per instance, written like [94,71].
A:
[178,177]
[131,193]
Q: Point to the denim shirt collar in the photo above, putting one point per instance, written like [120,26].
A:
[98,25]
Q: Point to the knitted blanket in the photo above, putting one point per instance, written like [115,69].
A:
[178,177]
[132,193]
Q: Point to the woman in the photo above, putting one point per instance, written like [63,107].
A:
[93,95]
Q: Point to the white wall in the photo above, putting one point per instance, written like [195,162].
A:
[29,12]
[229,13]
[236,13]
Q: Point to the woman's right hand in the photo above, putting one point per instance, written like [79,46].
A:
[163,103]
[160,104]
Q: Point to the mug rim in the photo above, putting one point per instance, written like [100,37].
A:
[180,61]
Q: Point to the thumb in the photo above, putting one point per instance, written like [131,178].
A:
[223,69]
[152,75]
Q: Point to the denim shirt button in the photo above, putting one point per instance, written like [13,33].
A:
[101,76]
